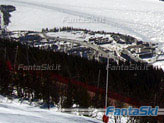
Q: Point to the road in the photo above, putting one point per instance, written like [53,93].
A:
[87,44]
[96,47]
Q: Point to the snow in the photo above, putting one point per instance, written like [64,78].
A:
[68,35]
[16,112]
[140,18]
[23,112]
[159,64]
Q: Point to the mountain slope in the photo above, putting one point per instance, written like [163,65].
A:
[16,112]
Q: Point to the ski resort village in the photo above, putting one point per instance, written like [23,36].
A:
[90,44]
[110,53]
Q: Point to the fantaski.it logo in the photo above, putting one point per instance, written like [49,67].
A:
[130,111]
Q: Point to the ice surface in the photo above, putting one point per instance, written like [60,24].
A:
[140,18]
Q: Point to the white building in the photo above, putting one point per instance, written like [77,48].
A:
[1,21]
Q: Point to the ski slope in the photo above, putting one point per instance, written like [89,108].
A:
[143,19]
[16,112]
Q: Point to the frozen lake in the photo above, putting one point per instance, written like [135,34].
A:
[143,19]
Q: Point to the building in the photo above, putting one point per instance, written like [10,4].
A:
[146,55]
[1,21]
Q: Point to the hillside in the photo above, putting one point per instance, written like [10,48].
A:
[17,112]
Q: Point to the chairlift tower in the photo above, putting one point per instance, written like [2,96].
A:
[107,79]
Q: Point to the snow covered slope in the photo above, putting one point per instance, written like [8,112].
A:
[15,112]
[140,18]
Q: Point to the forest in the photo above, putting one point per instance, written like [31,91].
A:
[144,85]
